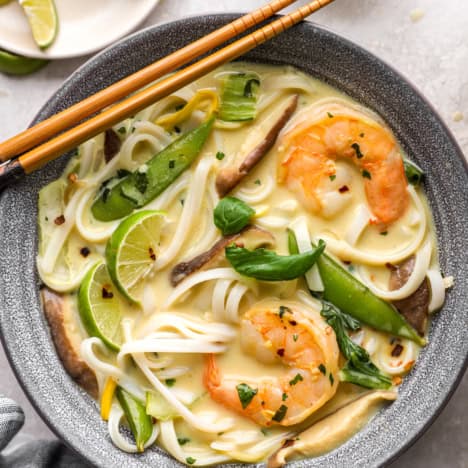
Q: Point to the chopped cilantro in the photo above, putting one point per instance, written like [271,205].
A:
[122,130]
[190,460]
[296,379]
[183,440]
[295,336]
[177,129]
[357,148]
[283,310]
[220,155]
[332,177]
[322,369]
[258,182]
[384,233]
[170,382]
[171,164]
[246,394]
[264,431]
[284,397]
[332,380]
[366,173]
[280,413]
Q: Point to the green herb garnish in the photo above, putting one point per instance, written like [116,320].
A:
[366,174]
[296,379]
[322,369]
[332,177]
[170,382]
[280,414]
[267,265]
[231,215]
[183,440]
[220,155]
[190,460]
[359,369]
[246,394]
[357,148]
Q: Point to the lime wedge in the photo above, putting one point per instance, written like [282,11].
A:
[99,306]
[131,252]
[42,17]
[18,65]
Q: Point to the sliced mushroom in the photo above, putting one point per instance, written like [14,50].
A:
[415,308]
[332,430]
[251,237]
[229,177]
[66,334]
[112,144]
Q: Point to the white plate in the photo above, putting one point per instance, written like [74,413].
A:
[85,26]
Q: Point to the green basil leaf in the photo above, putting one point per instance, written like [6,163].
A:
[231,215]
[266,265]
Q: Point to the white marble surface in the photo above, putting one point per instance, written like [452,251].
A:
[431,52]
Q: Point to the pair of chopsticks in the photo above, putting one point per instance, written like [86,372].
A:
[32,148]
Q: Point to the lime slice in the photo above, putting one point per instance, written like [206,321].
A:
[18,65]
[131,252]
[99,306]
[42,17]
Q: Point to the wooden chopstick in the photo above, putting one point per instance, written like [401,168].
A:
[70,117]
[37,157]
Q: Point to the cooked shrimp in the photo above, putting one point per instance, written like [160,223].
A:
[280,332]
[323,133]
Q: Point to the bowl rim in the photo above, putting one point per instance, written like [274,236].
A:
[230,16]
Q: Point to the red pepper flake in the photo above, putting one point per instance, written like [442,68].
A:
[397,380]
[59,220]
[293,323]
[409,365]
[346,262]
[280,352]
[85,252]
[343,189]
[152,254]
[390,266]
[106,293]
[397,350]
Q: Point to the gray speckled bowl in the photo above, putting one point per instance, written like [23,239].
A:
[74,416]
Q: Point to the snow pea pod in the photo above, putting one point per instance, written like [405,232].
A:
[348,294]
[152,178]
[140,423]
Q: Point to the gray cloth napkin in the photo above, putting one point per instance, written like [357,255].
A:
[34,454]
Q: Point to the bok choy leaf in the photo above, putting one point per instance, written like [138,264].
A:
[239,97]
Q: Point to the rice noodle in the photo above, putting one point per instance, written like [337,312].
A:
[256,194]
[188,217]
[343,250]
[437,286]
[421,264]
[197,278]
[360,221]
[191,418]
[301,231]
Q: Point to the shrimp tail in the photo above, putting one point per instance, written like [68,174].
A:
[212,375]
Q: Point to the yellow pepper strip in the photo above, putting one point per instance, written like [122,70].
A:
[106,398]
[201,97]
